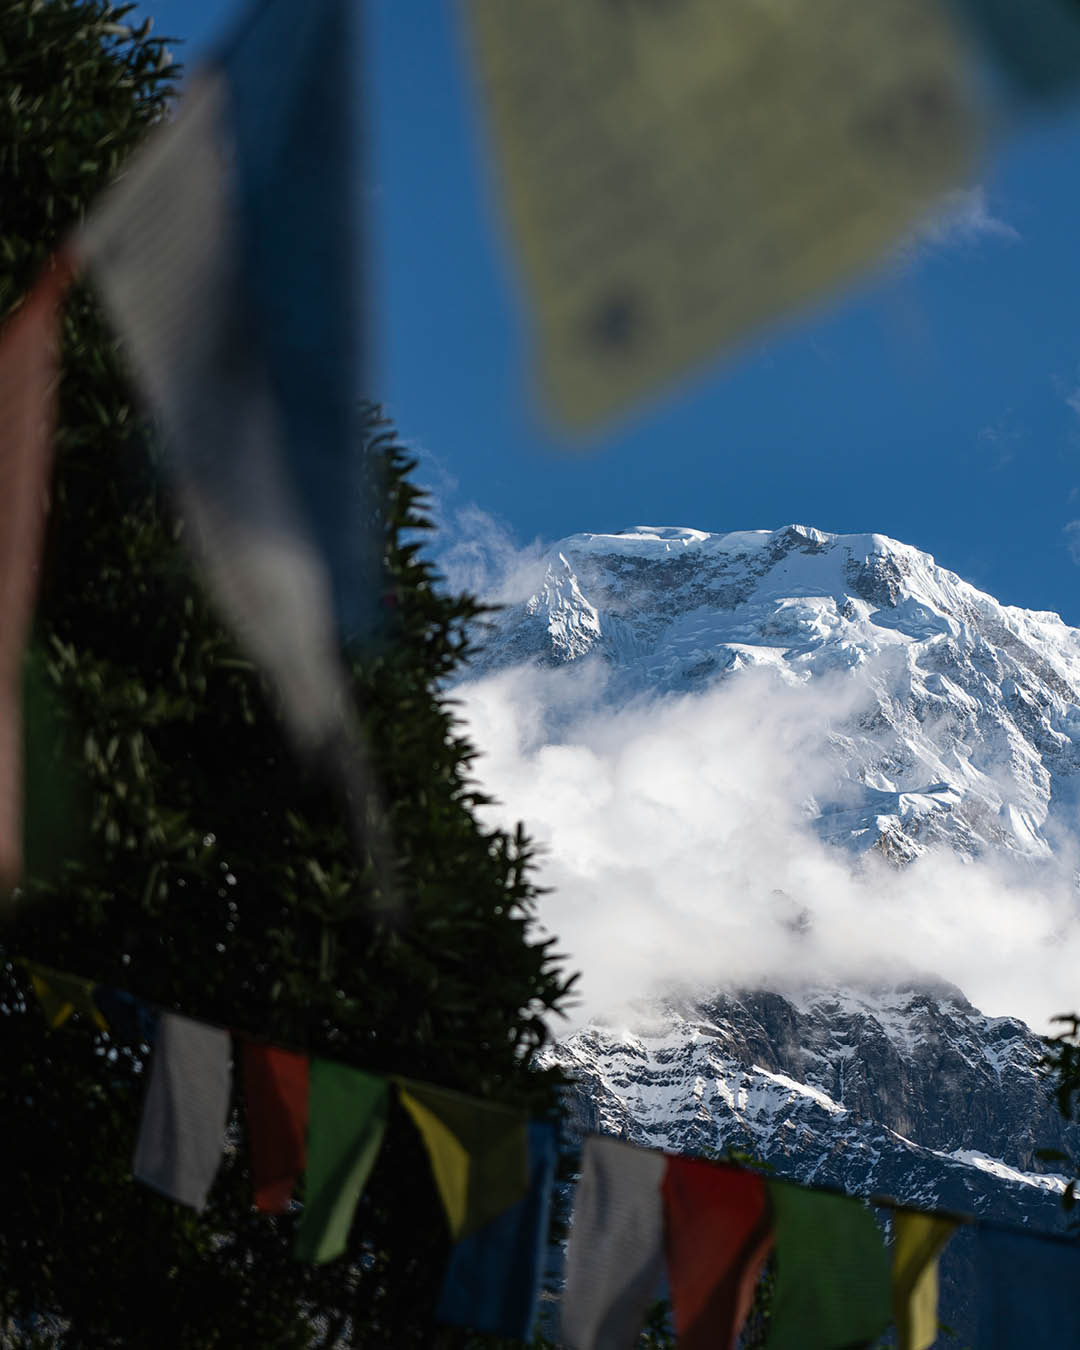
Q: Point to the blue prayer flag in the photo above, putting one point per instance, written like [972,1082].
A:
[225,257]
[494,1274]
[1026,1291]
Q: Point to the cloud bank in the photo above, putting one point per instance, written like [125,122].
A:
[677,841]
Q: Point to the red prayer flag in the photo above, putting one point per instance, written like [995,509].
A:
[29,371]
[718,1232]
[276,1091]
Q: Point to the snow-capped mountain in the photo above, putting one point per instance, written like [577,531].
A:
[971,735]
[962,732]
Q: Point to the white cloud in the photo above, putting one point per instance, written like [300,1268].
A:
[1072,540]
[677,844]
[474,550]
[963,216]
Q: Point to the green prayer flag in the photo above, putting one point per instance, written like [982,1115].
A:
[918,1241]
[347,1111]
[61,995]
[479,1153]
[832,1275]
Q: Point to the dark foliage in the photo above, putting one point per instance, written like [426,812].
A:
[204,868]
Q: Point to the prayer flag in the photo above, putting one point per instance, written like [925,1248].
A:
[718,1226]
[128,1017]
[832,1276]
[61,995]
[224,256]
[478,1152]
[918,1241]
[346,1122]
[29,373]
[1026,1292]
[678,175]
[276,1085]
[182,1134]
[493,1279]
[615,1258]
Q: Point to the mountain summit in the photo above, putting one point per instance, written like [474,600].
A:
[969,731]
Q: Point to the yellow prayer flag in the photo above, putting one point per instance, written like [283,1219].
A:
[479,1153]
[61,995]
[677,174]
[919,1240]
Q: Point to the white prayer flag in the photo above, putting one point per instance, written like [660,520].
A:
[616,1254]
[182,1135]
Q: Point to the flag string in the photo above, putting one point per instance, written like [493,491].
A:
[959,1217]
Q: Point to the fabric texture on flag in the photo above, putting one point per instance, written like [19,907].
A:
[832,1276]
[493,1279]
[276,1087]
[1026,1291]
[223,259]
[918,1241]
[29,373]
[615,1258]
[347,1111]
[61,995]
[182,1134]
[479,1153]
[718,1233]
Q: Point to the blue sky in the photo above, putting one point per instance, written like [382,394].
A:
[937,402]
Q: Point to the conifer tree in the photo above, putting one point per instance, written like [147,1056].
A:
[195,862]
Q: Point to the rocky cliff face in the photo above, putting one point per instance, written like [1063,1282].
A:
[967,739]
[909,1092]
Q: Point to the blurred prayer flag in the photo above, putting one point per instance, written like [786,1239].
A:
[615,1258]
[225,257]
[918,1241]
[29,374]
[676,175]
[832,1277]
[186,1108]
[479,1153]
[493,1279]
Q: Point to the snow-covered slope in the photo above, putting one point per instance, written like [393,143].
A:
[970,732]
[964,735]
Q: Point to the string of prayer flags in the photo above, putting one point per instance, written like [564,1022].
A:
[347,1116]
[1026,1293]
[638,1214]
[718,1222]
[224,257]
[479,1153]
[918,1241]
[276,1092]
[615,1258]
[493,1279]
[185,1111]
[832,1278]
[677,175]
[29,375]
